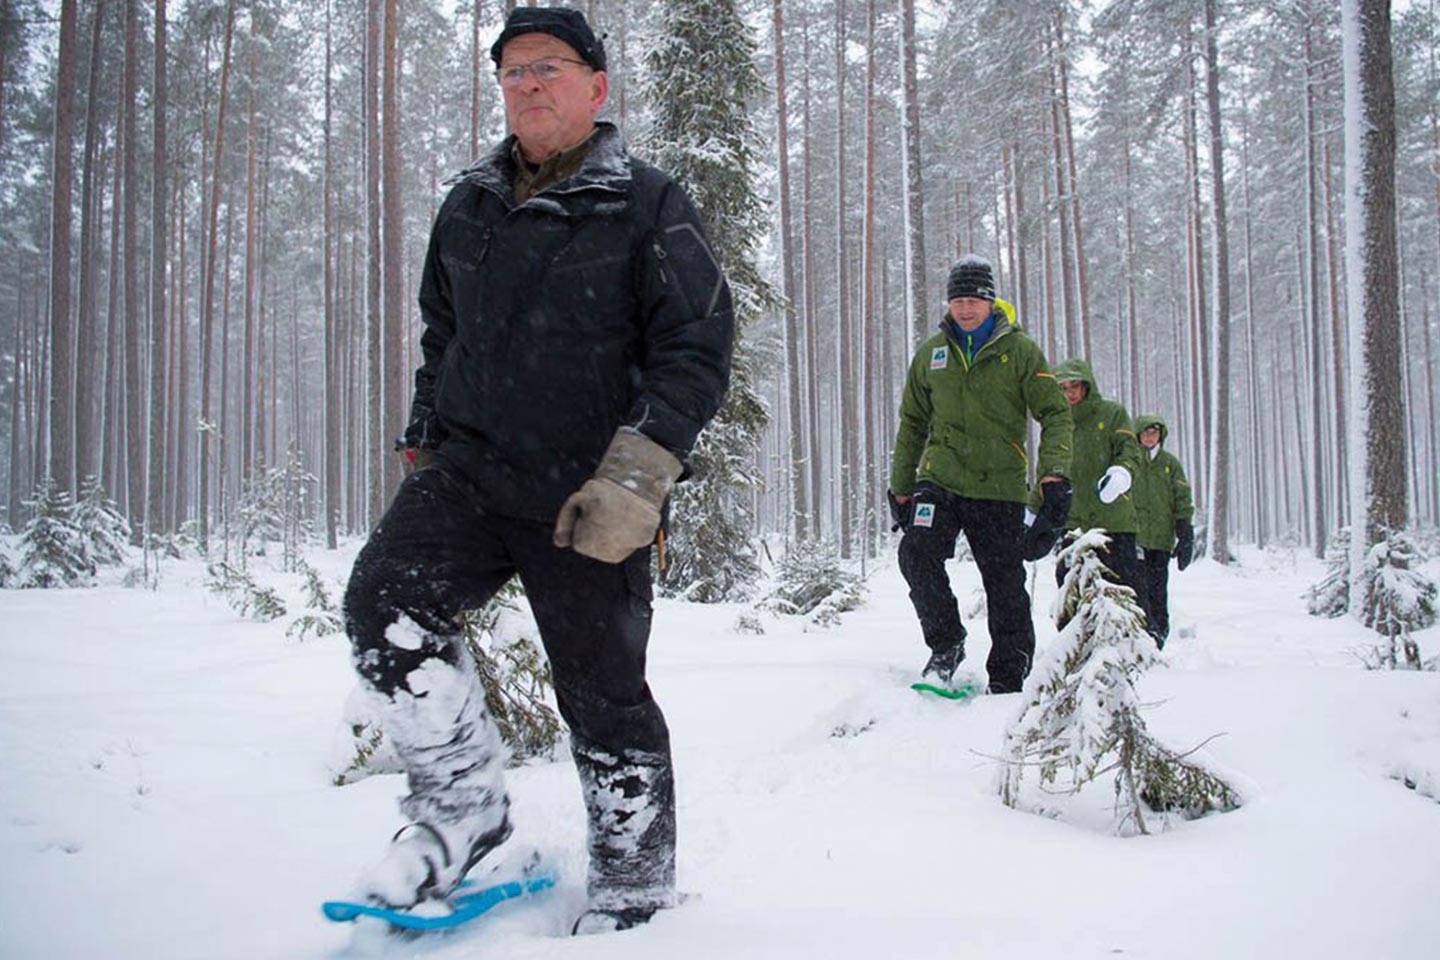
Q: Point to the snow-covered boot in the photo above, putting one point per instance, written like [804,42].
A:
[942,663]
[630,798]
[454,760]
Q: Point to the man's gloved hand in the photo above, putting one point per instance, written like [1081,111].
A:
[899,511]
[1184,543]
[617,511]
[1049,523]
[1113,484]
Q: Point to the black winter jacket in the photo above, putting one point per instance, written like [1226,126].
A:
[596,303]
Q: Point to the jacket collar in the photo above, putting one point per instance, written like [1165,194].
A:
[600,185]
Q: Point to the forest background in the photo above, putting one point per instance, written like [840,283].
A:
[212,217]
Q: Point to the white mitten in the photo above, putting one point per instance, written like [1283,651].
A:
[1113,484]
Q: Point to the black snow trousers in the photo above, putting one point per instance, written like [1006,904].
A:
[995,530]
[1122,557]
[1157,585]
[438,553]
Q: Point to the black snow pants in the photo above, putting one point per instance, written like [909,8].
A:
[438,553]
[1157,584]
[996,532]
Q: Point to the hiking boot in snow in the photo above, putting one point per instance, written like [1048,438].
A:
[630,799]
[611,921]
[454,761]
[425,862]
[942,663]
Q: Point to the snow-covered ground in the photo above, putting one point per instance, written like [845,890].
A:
[164,791]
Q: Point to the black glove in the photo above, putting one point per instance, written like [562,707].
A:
[899,513]
[1049,523]
[1184,543]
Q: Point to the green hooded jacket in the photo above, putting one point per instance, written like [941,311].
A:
[962,423]
[1161,491]
[1103,439]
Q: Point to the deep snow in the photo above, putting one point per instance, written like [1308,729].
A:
[164,791]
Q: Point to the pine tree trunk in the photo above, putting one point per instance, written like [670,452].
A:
[1219,537]
[332,374]
[845,359]
[798,520]
[155,516]
[869,315]
[1340,393]
[393,227]
[1082,276]
[88,378]
[247,351]
[1312,257]
[916,288]
[807,285]
[1372,282]
[374,385]
[62,334]
[135,436]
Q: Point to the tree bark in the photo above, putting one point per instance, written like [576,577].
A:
[89,379]
[916,288]
[393,229]
[155,516]
[62,334]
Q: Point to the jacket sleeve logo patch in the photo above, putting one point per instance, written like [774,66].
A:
[924,514]
[940,358]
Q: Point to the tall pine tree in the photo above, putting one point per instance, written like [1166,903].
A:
[700,80]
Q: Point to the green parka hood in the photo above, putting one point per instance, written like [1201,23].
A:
[1077,368]
[1147,420]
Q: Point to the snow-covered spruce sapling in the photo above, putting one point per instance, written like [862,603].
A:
[504,641]
[104,531]
[1080,717]
[1330,597]
[246,597]
[1397,600]
[52,551]
[320,618]
[812,581]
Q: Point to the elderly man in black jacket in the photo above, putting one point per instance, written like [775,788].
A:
[577,337]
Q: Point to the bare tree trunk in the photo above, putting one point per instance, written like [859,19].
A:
[332,375]
[1219,537]
[1312,255]
[1257,448]
[1022,263]
[807,285]
[247,350]
[207,300]
[155,517]
[392,244]
[845,358]
[869,316]
[87,346]
[1082,276]
[62,334]
[475,62]
[113,406]
[1073,340]
[798,520]
[135,446]
[916,289]
[374,385]
[1340,470]
[1378,424]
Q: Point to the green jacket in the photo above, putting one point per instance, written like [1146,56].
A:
[962,423]
[1103,439]
[1162,493]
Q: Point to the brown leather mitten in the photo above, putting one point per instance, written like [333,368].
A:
[617,511]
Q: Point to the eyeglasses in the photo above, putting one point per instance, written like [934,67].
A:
[545,70]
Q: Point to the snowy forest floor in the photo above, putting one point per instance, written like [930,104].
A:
[165,791]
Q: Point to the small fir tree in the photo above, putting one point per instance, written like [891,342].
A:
[247,598]
[52,551]
[1331,596]
[703,134]
[1080,717]
[812,582]
[104,531]
[1398,599]
[321,618]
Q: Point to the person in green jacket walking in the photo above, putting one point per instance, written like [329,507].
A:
[960,465]
[1164,508]
[1107,458]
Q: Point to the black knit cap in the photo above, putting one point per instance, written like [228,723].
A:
[562,23]
[972,276]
